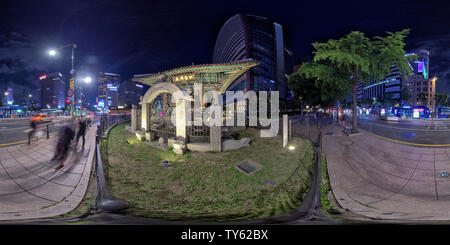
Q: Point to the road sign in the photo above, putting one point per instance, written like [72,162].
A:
[72,83]
[69,93]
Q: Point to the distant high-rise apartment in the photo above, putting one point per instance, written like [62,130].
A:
[130,93]
[393,86]
[8,96]
[246,36]
[419,81]
[52,91]
[108,89]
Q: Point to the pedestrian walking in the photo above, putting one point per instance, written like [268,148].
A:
[81,131]
[62,147]
[89,122]
[31,130]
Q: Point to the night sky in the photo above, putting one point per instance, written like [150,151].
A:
[133,37]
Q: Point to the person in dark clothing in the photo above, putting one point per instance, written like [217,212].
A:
[89,122]
[31,131]
[81,131]
[66,135]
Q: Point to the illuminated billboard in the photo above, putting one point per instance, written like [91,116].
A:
[111,87]
[416,113]
[419,66]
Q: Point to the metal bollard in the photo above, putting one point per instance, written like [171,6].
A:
[48,133]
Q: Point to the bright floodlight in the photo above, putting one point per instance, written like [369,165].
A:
[52,52]
[87,79]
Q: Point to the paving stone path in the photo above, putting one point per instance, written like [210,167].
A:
[31,187]
[381,179]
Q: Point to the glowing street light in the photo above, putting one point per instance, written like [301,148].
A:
[52,52]
[87,79]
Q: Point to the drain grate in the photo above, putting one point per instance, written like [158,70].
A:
[248,167]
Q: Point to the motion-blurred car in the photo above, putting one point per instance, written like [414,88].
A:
[41,118]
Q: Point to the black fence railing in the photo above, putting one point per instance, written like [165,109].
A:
[104,200]
[45,130]
[106,121]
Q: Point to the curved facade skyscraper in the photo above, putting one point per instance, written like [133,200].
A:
[247,36]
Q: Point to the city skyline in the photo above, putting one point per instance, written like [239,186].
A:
[178,35]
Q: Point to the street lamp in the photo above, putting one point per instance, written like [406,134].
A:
[87,79]
[53,52]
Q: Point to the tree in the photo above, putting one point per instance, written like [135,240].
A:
[360,59]
[389,100]
[422,98]
[404,95]
[304,89]
[442,99]
[312,90]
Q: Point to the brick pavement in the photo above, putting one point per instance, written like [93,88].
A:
[31,187]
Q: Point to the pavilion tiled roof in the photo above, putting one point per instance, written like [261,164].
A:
[230,71]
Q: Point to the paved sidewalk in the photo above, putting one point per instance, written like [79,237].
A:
[31,188]
[380,179]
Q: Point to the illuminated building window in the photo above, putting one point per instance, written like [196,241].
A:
[191,76]
[177,79]
[185,78]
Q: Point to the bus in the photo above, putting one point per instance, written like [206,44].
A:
[443,112]
[416,112]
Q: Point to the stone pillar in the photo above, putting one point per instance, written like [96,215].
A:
[150,136]
[215,138]
[285,130]
[181,119]
[145,117]
[290,129]
[134,118]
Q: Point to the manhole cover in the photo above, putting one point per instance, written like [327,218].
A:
[248,167]
[444,174]
[346,142]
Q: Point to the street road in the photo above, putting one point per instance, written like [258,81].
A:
[12,131]
[412,131]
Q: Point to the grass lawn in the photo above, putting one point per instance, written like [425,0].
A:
[207,186]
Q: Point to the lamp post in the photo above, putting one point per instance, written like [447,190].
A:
[431,94]
[72,71]
[28,103]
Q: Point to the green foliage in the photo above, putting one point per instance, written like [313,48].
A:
[422,98]
[340,64]
[325,188]
[389,101]
[441,99]
[308,86]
